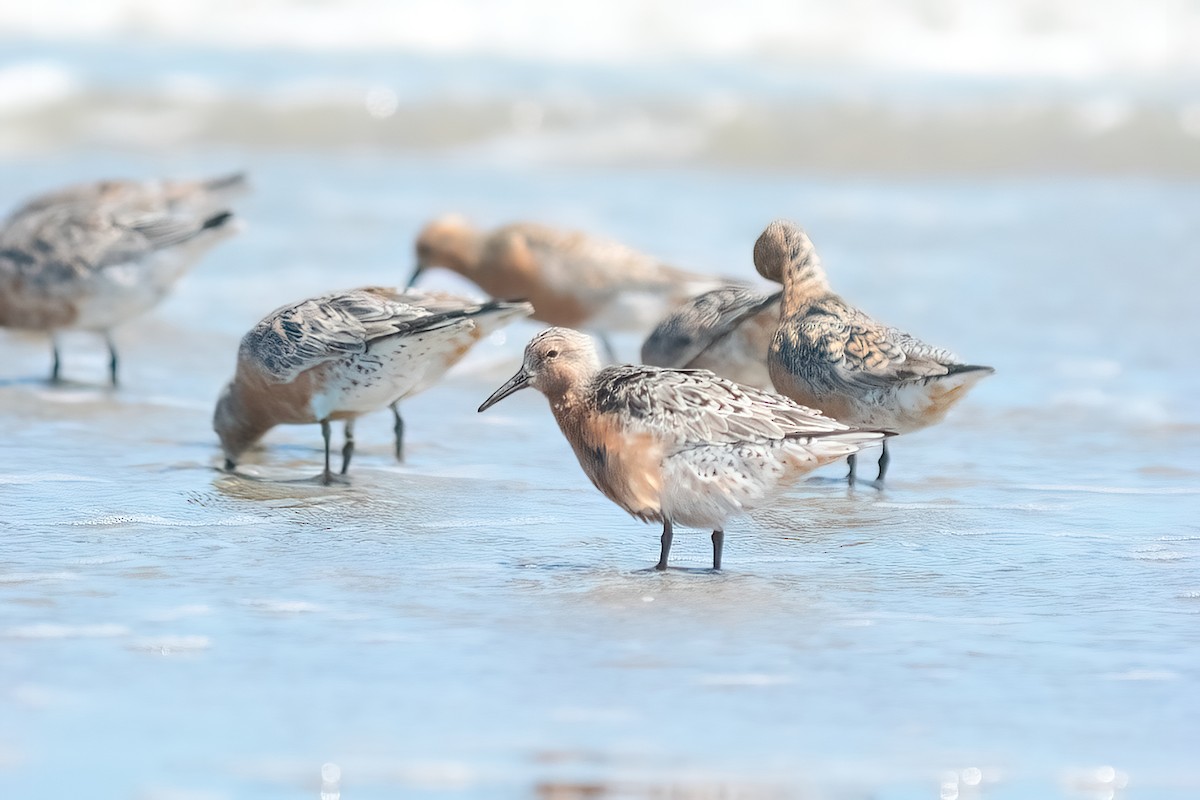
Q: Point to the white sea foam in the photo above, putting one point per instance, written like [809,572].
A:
[52,631]
[746,679]
[171,645]
[167,522]
[1166,490]
[282,606]
[36,577]
[1061,38]
[23,478]
[178,612]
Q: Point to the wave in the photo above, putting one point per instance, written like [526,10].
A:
[1062,38]
[595,121]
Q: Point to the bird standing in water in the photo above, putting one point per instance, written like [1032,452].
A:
[676,446]
[830,355]
[345,354]
[92,256]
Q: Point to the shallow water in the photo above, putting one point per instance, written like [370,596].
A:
[1015,616]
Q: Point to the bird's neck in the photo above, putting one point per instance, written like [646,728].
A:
[802,288]
[245,421]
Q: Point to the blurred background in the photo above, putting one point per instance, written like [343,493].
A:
[1015,617]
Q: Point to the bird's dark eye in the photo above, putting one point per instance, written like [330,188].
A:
[552,354]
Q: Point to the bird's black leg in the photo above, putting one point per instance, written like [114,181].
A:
[55,369]
[399,429]
[348,447]
[884,459]
[666,546]
[327,475]
[851,460]
[718,539]
[112,359]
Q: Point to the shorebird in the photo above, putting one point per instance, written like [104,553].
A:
[345,354]
[727,330]
[676,446]
[571,278]
[832,356]
[91,256]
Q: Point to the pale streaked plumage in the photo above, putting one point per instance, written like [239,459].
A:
[571,278]
[727,331]
[676,446]
[345,354]
[832,356]
[91,256]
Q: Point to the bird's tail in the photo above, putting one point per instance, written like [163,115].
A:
[495,314]
[829,446]
[233,184]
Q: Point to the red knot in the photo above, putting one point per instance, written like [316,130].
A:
[832,356]
[677,446]
[572,279]
[92,256]
[345,354]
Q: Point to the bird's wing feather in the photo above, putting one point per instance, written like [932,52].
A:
[693,328]
[302,335]
[865,353]
[690,408]
[86,228]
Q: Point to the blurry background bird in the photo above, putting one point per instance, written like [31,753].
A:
[571,278]
[95,255]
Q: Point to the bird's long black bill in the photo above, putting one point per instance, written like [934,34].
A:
[412,279]
[514,384]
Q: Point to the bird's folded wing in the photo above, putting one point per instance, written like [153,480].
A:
[864,353]
[690,408]
[302,335]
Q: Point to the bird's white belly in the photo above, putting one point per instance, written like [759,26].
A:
[704,486]
[123,291]
[912,405]
[391,370]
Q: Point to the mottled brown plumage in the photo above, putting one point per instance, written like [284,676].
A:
[830,355]
[571,278]
[676,446]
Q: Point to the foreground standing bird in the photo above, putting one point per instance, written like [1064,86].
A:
[727,331]
[676,446]
[571,278]
[345,354]
[832,356]
[90,257]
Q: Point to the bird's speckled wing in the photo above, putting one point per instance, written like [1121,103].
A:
[300,336]
[64,242]
[861,350]
[698,324]
[690,408]
[51,241]
[202,197]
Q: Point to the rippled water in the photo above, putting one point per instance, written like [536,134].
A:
[1015,616]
